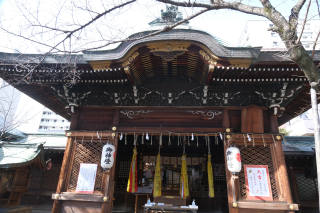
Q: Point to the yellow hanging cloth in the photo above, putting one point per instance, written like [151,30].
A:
[132,181]
[184,186]
[210,177]
[157,179]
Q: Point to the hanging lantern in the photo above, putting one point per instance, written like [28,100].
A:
[107,157]
[233,160]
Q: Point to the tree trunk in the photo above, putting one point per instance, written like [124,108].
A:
[316,133]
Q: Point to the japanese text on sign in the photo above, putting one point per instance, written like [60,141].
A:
[86,178]
[258,182]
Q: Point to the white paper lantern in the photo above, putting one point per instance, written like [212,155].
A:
[233,159]
[107,157]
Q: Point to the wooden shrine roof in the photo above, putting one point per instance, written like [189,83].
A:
[178,68]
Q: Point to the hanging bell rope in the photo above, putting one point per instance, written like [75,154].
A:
[160,140]
[178,139]
[192,138]
[224,139]
[206,139]
[125,139]
[101,136]
[159,148]
[92,137]
[169,143]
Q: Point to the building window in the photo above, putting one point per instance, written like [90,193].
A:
[47,120]
[44,113]
[61,127]
[53,127]
[270,25]
[62,120]
[55,120]
[40,127]
[275,43]
[42,119]
[67,127]
[49,113]
[273,34]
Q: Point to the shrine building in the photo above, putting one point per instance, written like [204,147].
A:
[185,96]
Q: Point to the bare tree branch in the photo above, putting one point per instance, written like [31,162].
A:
[304,22]
[314,45]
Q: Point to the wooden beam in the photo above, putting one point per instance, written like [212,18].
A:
[116,117]
[270,206]
[74,119]
[78,197]
[273,122]
[129,76]
[65,169]
[209,75]
[206,130]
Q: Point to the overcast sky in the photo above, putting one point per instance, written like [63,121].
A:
[225,24]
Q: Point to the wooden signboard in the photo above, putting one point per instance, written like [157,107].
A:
[258,182]
[86,178]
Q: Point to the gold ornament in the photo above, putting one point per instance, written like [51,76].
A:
[235,205]
[113,134]
[56,196]
[114,128]
[105,199]
[69,134]
[292,207]
[228,136]
[227,130]
[278,137]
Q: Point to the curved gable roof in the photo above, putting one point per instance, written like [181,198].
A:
[177,34]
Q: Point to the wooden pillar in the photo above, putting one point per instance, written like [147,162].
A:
[229,185]
[279,164]
[107,207]
[226,124]
[252,119]
[64,173]
[225,119]
[66,165]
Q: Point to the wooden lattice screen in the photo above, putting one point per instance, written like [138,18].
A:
[257,155]
[307,187]
[87,152]
[45,179]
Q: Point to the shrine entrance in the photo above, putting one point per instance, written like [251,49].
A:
[171,152]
